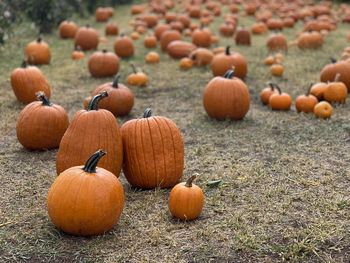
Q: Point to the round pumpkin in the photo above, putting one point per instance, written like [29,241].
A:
[154,152]
[41,124]
[38,52]
[277,42]
[124,47]
[167,37]
[318,90]
[186,63]
[277,70]
[201,38]
[186,200]
[152,57]
[336,91]
[306,103]
[77,54]
[310,40]
[67,29]
[150,41]
[226,97]
[86,200]
[202,56]
[103,64]
[243,37]
[111,29]
[266,93]
[137,78]
[323,110]
[86,38]
[280,101]
[329,72]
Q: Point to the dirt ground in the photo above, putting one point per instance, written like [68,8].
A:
[285,176]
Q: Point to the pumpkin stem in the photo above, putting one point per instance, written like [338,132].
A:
[272,86]
[229,74]
[39,39]
[24,63]
[91,163]
[337,77]
[45,100]
[93,105]
[116,81]
[104,50]
[333,60]
[309,89]
[133,68]
[87,25]
[147,113]
[190,181]
[278,88]
[227,51]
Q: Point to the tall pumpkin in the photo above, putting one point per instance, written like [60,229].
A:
[86,200]
[89,130]
[153,152]
[226,97]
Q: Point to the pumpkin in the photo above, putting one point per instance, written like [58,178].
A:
[259,28]
[227,29]
[86,38]
[329,72]
[186,200]
[288,22]
[124,47]
[150,41]
[137,9]
[103,64]
[160,29]
[323,110]
[152,57]
[67,29]
[269,60]
[277,42]
[151,20]
[137,78]
[184,19]
[318,90]
[201,38]
[266,93]
[77,54]
[120,99]
[38,52]
[26,81]
[226,97]
[86,200]
[177,25]
[169,36]
[179,49]
[310,40]
[102,14]
[274,24]
[41,124]
[225,61]
[111,29]
[336,91]
[89,130]
[154,152]
[170,17]
[306,103]
[194,11]
[243,37]
[186,63]
[202,56]
[277,70]
[280,101]
[134,35]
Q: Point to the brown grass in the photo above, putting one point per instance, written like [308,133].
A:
[285,176]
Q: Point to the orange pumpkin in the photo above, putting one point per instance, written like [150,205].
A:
[179,49]
[77,54]
[38,52]
[169,36]
[103,64]
[323,110]
[202,56]
[277,70]
[280,101]
[124,47]
[329,72]
[201,38]
[86,38]
[242,37]
[152,57]
[150,41]
[336,91]
[67,29]
[318,90]
[186,63]
[137,78]
[111,29]
[266,93]
[277,42]
[306,103]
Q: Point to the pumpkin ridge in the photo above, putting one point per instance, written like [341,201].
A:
[132,131]
[154,155]
[136,153]
[76,204]
[164,161]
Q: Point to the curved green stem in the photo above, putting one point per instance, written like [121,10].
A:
[190,181]
[116,81]
[229,74]
[147,113]
[91,163]
[45,100]
[93,105]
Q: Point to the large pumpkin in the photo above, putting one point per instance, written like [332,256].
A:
[41,124]
[86,38]
[26,81]
[89,130]
[38,52]
[86,200]
[226,97]
[329,72]
[222,62]
[103,64]
[153,152]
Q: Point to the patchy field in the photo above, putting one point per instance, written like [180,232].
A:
[286,179]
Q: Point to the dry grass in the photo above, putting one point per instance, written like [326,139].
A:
[285,176]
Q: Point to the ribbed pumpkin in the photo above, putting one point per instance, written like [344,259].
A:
[243,37]
[153,152]
[223,62]
[167,37]
[89,130]
[67,29]
[124,47]
[323,110]
[120,99]
[201,38]
[336,91]
[26,81]
[41,124]
[111,29]
[277,42]
[103,64]
[150,41]
[310,40]
[329,72]
[137,78]
[280,100]
[87,38]
[38,52]
[186,200]
[179,49]
[86,200]
[226,97]
[306,103]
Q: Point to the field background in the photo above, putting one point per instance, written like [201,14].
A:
[285,176]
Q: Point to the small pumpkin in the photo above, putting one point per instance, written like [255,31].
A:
[202,56]
[38,52]
[167,37]
[137,78]
[111,29]
[243,37]
[336,91]
[186,200]
[124,47]
[160,29]
[323,110]
[77,54]
[26,81]
[266,93]
[226,97]
[86,38]
[259,28]
[150,41]
[67,29]
[103,64]
[318,90]
[154,152]
[306,103]
[102,14]
[227,29]
[186,63]
[41,124]
[135,35]
[277,42]
[120,99]
[270,60]
[86,200]
[152,57]
[277,70]
[310,40]
[89,130]
[201,38]
[280,100]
